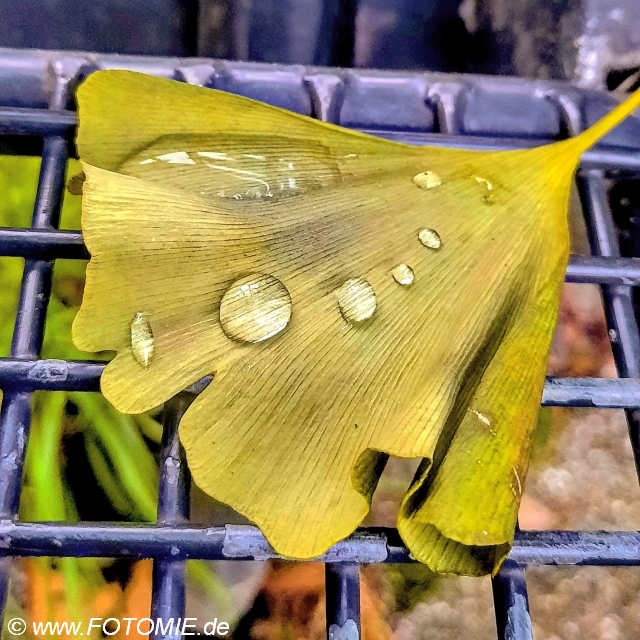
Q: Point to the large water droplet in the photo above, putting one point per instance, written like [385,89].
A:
[142,343]
[427,180]
[430,238]
[357,300]
[403,274]
[255,308]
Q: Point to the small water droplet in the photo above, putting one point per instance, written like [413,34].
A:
[255,308]
[430,238]
[357,300]
[613,335]
[484,181]
[489,199]
[142,342]
[427,180]
[403,274]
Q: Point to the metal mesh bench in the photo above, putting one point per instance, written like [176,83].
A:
[37,118]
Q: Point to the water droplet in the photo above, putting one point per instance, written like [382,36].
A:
[488,199]
[255,308]
[357,300]
[483,181]
[142,343]
[403,274]
[613,335]
[430,238]
[427,180]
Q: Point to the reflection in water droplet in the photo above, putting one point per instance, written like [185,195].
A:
[253,193]
[427,180]
[214,155]
[430,238]
[484,181]
[403,274]
[267,169]
[176,157]
[357,300]
[142,343]
[255,308]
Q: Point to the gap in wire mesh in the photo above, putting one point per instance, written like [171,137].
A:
[18,186]
[584,603]
[390,491]
[582,475]
[455,607]
[87,462]
[72,204]
[66,295]
[581,346]
[624,199]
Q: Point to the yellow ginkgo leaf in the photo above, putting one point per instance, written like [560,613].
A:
[354,298]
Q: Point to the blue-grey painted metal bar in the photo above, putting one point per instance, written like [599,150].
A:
[618,300]
[28,334]
[511,603]
[42,122]
[168,582]
[246,542]
[42,244]
[342,587]
[79,375]
[37,122]
[52,244]
[600,270]
[598,393]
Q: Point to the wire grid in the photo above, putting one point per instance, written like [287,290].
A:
[171,540]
